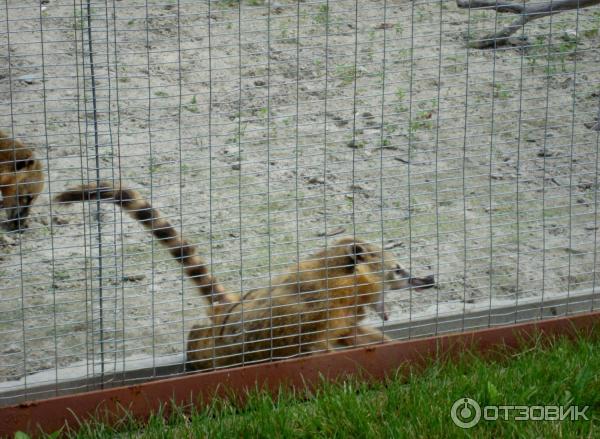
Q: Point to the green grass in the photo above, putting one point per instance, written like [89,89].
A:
[346,73]
[413,404]
[322,16]
[192,107]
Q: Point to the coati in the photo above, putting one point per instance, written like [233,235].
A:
[21,181]
[316,305]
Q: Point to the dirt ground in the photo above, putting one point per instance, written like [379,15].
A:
[263,131]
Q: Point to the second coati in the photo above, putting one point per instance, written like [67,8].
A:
[21,181]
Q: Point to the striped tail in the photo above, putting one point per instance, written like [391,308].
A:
[141,210]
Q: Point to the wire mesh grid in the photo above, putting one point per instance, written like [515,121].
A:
[264,132]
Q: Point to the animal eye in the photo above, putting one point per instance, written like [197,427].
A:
[25,201]
[401,272]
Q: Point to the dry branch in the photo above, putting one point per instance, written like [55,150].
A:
[527,12]
[596,126]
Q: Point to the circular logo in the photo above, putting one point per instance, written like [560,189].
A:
[465,412]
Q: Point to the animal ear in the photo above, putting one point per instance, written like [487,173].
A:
[357,253]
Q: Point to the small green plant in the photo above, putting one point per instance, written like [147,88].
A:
[550,69]
[236,138]
[192,107]
[161,94]
[418,124]
[153,166]
[532,62]
[77,21]
[457,64]
[322,16]
[390,128]
[424,114]
[564,50]
[501,92]
[422,119]
[400,108]
[346,73]
[386,143]
[61,275]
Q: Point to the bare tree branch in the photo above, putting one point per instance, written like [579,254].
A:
[499,6]
[527,12]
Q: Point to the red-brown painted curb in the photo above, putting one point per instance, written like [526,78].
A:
[375,362]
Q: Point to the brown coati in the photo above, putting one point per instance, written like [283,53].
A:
[21,181]
[317,305]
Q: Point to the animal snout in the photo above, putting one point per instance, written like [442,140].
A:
[423,282]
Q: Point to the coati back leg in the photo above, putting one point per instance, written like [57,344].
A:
[209,348]
[200,351]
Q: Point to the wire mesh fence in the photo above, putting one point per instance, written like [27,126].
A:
[265,132]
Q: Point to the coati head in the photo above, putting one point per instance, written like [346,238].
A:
[21,181]
[380,271]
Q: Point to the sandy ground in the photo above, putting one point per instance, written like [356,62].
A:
[265,133]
